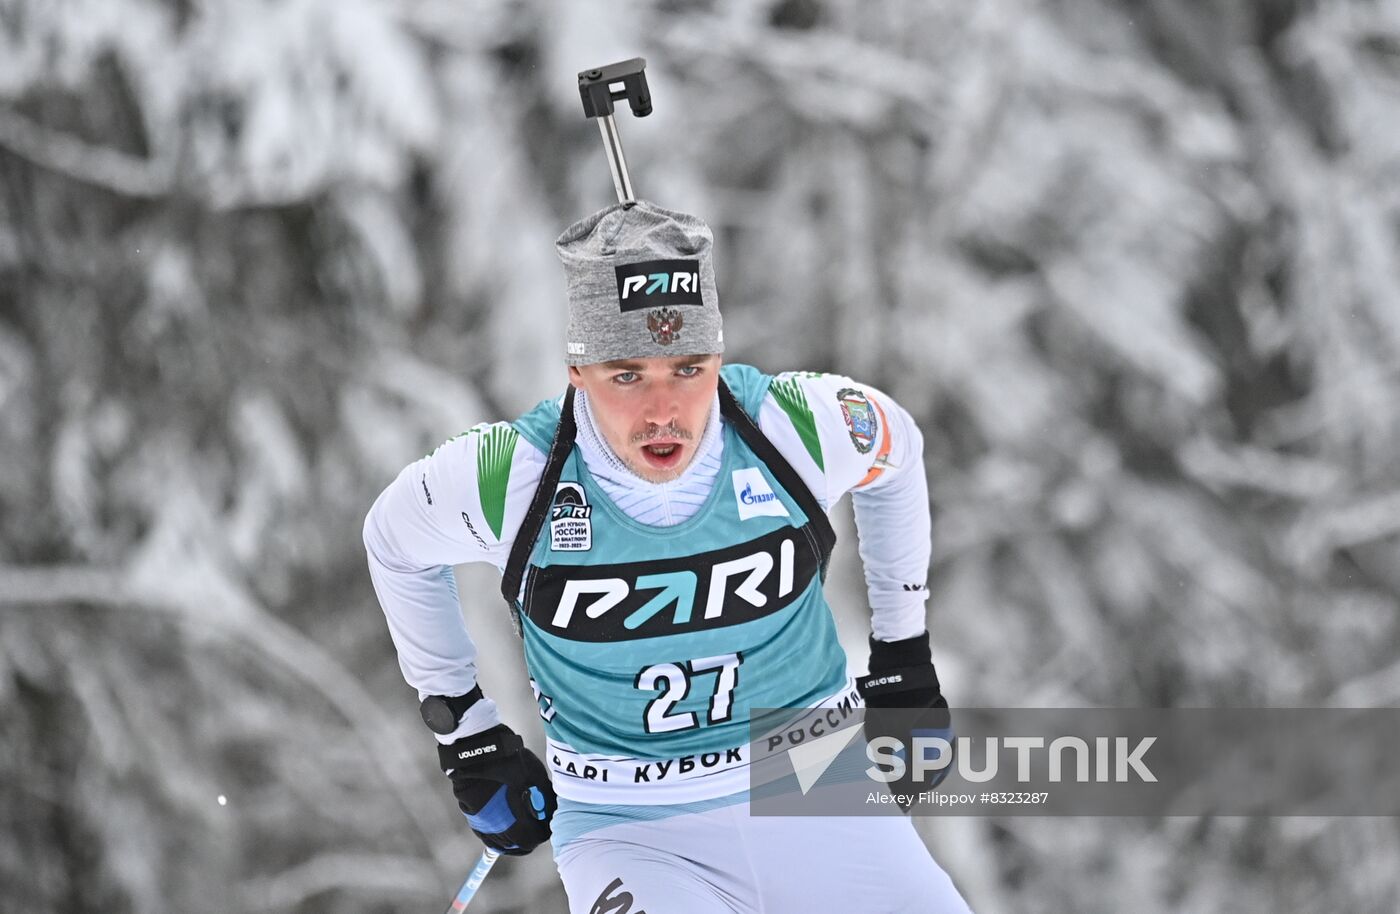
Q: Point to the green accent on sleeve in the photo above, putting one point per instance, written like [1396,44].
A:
[790,396]
[493,457]
[475,429]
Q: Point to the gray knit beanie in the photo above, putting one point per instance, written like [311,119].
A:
[641,283]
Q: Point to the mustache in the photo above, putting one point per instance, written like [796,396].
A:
[670,430]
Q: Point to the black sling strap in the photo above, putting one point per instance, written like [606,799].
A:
[539,506]
[563,443]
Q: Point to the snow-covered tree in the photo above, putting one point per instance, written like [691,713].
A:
[1133,266]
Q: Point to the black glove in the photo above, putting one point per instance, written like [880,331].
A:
[902,677]
[502,788]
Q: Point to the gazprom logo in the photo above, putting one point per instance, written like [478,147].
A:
[749,498]
[658,283]
[754,497]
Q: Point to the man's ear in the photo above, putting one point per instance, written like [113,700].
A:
[575,377]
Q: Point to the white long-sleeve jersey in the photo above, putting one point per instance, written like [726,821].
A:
[465,501]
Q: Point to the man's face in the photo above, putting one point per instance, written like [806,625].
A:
[651,411]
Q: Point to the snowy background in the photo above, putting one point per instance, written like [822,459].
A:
[1134,266]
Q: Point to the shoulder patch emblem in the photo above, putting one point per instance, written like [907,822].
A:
[861,423]
[793,399]
[493,458]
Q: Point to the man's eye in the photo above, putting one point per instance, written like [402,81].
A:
[626,377]
[689,371]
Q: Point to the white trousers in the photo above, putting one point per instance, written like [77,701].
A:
[725,861]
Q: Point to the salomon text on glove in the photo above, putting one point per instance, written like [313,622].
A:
[904,700]
[502,788]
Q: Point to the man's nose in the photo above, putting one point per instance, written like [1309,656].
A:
[661,406]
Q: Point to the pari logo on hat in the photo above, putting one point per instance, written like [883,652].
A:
[658,284]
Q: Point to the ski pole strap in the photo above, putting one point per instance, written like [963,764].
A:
[753,436]
[539,506]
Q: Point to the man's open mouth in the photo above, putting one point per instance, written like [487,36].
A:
[662,456]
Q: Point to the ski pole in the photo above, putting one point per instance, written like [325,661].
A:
[478,875]
[599,88]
